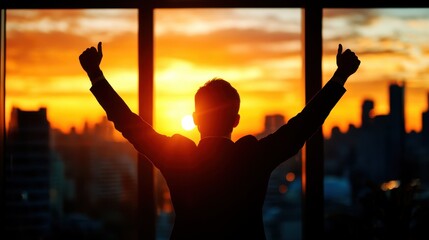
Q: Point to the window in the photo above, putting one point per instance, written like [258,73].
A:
[259,52]
[376,148]
[68,174]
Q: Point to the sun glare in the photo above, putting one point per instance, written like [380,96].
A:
[188,123]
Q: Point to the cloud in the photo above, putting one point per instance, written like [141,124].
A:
[42,62]
[85,23]
[227,47]
[57,53]
[201,21]
[362,14]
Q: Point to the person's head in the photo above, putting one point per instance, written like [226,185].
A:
[216,108]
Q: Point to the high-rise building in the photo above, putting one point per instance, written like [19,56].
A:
[367,109]
[377,149]
[396,137]
[27,175]
[271,124]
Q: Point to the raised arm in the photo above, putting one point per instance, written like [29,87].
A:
[139,133]
[290,138]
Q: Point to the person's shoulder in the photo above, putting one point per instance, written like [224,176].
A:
[248,139]
[180,139]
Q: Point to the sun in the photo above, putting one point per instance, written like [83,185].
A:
[188,123]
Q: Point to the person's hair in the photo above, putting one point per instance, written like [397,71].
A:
[217,104]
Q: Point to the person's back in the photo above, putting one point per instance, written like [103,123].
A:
[218,186]
[220,192]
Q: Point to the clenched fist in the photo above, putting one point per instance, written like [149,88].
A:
[90,60]
[347,62]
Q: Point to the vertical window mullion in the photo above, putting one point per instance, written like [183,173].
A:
[313,162]
[146,197]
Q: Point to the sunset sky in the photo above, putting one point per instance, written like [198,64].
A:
[257,50]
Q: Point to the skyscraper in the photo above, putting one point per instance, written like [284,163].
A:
[397,130]
[367,108]
[27,175]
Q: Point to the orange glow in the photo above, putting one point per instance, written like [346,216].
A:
[390,185]
[282,188]
[290,176]
[262,60]
[167,207]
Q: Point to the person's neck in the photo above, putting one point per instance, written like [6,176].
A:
[228,136]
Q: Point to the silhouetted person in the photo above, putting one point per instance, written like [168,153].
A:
[218,186]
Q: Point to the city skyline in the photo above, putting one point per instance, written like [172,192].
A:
[193,133]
